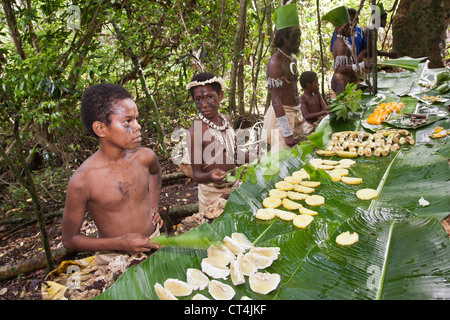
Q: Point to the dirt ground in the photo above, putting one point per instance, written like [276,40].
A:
[25,242]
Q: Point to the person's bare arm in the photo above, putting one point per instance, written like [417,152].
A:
[195,150]
[274,80]
[154,186]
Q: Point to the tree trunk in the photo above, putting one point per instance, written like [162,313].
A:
[237,52]
[419,29]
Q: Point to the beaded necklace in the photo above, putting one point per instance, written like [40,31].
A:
[224,134]
[292,65]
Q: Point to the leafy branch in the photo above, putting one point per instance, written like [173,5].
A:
[346,102]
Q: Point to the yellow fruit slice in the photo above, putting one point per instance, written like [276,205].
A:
[284,185]
[330,162]
[236,274]
[302,174]
[247,267]
[315,200]
[259,260]
[271,252]
[302,220]
[341,172]
[326,153]
[285,215]
[220,291]
[178,287]
[163,293]
[293,195]
[265,214]
[196,279]
[310,184]
[351,180]
[325,167]
[367,194]
[271,202]
[347,238]
[293,180]
[335,177]
[264,282]
[342,166]
[347,154]
[291,205]
[303,189]
[315,162]
[347,162]
[277,193]
[307,211]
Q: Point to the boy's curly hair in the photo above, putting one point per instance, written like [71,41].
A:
[99,102]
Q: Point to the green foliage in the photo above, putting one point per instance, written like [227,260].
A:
[346,102]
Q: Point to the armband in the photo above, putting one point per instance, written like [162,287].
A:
[340,61]
[284,126]
[356,67]
[274,83]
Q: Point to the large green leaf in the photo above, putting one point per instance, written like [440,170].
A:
[403,251]
[400,255]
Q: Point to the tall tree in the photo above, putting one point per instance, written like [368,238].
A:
[419,29]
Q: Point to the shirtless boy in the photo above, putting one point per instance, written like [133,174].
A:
[311,101]
[119,185]
[211,141]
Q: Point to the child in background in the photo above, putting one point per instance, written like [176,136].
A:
[312,104]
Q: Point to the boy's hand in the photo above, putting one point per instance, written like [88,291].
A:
[218,176]
[135,243]
[157,219]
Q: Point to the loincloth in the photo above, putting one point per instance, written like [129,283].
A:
[271,133]
[88,277]
[208,193]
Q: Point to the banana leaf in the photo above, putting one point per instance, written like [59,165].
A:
[403,251]
[407,63]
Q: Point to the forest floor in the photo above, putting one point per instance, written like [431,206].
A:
[21,243]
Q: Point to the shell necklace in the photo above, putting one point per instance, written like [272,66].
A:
[224,134]
[292,65]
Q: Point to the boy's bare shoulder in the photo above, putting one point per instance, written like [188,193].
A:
[144,154]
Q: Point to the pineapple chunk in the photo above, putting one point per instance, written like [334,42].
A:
[302,174]
[341,172]
[307,211]
[330,162]
[291,205]
[276,193]
[347,238]
[315,200]
[351,180]
[285,215]
[271,202]
[284,185]
[367,194]
[293,180]
[296,195]
[310,184]
[265,214]
[303,189]
[302,221]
